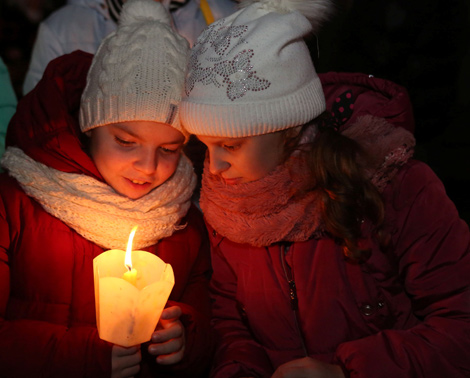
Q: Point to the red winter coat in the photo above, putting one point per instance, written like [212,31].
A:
[47,305]
[405,313]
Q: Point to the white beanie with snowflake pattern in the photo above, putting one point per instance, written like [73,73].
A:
[251,73]
[138,72]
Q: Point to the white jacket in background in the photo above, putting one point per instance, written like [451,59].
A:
[82,25]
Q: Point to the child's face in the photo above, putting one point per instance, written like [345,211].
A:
[136,157]
[241,160]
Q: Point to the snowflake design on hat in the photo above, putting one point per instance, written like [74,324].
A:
[238,74]
[219,39]
[197,74]
[224,38]
[208,38]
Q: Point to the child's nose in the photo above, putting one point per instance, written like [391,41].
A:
[217,165]
[147,163]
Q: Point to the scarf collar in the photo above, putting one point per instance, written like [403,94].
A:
[95,211]
[280,206]
[283,206]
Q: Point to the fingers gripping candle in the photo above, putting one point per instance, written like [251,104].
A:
[131,290]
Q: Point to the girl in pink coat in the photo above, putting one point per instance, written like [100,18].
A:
[334,253]
[85,164]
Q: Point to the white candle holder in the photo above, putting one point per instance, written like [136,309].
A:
[127,313]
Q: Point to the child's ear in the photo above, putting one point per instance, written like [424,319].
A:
[88,133]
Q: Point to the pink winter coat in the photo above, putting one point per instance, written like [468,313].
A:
[47,305]
[403,313]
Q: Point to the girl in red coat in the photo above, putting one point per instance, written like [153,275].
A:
[334,253]
[84,165]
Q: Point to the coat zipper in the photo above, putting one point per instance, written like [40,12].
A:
[294,302]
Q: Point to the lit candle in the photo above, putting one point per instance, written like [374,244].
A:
[131,274]
[130,297]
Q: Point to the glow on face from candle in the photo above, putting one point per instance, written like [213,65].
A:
[128,258]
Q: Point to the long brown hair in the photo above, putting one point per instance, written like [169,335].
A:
[347,195]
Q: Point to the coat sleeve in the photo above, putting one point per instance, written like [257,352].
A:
[432,245]
[237,353]
[33,348]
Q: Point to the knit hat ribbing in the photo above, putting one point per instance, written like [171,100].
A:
[251,73]
[138,71]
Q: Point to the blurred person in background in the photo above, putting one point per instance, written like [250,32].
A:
[82,25]
[7,103]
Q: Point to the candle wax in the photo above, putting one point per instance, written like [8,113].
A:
[130,276]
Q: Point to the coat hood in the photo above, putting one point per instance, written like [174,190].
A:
[46,126]
[370,96]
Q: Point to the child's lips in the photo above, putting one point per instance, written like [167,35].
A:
[138,183]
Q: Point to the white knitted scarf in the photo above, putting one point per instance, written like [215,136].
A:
[94,210]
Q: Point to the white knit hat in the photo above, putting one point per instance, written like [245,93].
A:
[138,71]
[251,73]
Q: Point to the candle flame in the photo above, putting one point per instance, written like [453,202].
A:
[128,259]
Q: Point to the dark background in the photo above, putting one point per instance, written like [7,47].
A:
[422,45]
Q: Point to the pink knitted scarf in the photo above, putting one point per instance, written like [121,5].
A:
[276,207]
[283,205]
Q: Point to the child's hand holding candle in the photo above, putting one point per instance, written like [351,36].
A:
[168,341]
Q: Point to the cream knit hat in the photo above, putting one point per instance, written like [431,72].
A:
[251,73]
[138,71]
